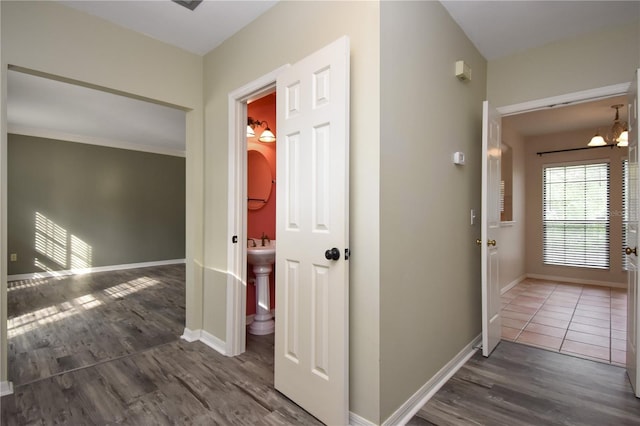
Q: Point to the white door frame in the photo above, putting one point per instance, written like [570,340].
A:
[237,209]
[565,100]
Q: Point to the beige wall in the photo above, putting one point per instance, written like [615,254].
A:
[52,39]
[511,235]
[534,164]
[429,263]
[279,37]
[595,60]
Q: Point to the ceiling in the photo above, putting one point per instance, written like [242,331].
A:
[198,31]
[38,103]
[501,28]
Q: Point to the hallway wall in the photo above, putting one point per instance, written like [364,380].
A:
[430,306]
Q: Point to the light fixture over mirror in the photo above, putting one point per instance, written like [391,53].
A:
[266,136]
[618,134]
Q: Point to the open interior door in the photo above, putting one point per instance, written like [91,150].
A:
[490,225]
[632,239]
[312,273]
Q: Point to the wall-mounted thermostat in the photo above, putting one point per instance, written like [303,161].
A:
[458,158]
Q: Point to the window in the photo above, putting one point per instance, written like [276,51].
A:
[576,215]
[625,212]
[506,184]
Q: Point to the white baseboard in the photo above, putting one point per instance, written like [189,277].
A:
[577,281]
[407,410]
[6,388]
[213,342]
[191,335]
[207,338]
[513,283]
[356,420]
[50,274]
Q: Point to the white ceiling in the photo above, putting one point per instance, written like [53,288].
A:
[198,31]
[501,28]
[497,28]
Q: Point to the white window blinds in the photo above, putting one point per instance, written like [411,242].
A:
[625,212]
[576,215]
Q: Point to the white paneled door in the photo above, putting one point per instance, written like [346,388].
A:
[490,225]
[632,239]
[312,268]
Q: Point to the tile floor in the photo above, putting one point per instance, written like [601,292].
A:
[580,320]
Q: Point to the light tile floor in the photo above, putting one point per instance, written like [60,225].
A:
[580,320]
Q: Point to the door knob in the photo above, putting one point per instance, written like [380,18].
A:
[630,250]
[478,242]
[491,243]
[333,254]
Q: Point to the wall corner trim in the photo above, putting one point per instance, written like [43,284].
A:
[6,388]
[407,410]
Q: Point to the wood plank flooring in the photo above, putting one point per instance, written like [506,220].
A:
[105,349]
[59,324]
[522,385]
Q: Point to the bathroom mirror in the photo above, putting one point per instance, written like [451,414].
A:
[259,180]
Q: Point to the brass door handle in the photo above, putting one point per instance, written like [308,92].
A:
[630,250]
[489,243]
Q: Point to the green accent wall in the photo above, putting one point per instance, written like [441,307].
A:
[74,205]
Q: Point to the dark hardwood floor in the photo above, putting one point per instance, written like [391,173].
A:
[522,385]
[105,349]
[59,324]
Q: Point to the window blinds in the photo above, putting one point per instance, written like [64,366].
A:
[576,215]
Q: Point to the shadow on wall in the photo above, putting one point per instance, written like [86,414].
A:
[59,246]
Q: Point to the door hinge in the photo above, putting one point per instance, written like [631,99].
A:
[234,239]
[347,254]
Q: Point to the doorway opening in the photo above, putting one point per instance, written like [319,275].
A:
[238,202]
[86,275]
[261,223]
[551,309]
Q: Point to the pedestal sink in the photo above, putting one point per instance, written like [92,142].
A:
[262,258]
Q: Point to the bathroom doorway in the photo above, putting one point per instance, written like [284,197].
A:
[261,222]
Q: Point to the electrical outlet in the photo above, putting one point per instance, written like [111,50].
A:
[13,257]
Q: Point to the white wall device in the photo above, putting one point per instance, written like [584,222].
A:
[458,158]
[463,71]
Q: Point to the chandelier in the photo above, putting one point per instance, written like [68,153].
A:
[618,133]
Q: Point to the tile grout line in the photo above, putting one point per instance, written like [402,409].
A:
[573,314]
[536,313]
